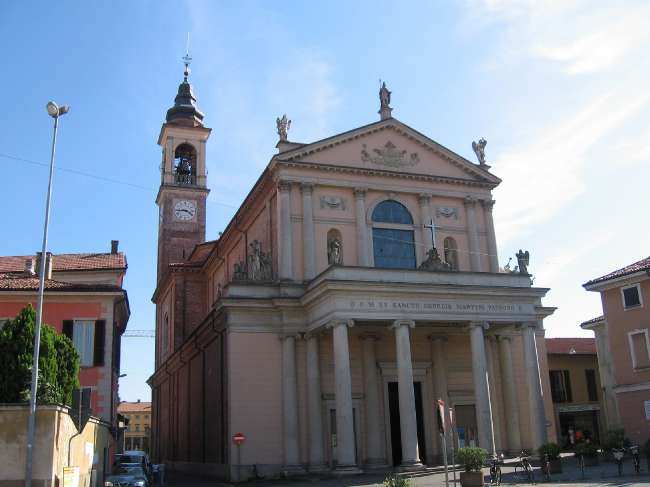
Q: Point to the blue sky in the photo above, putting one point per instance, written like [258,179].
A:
[559,90]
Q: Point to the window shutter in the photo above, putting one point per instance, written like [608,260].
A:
[68,326]
[567,380]
[100,337]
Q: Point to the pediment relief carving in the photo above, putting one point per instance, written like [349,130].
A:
[389,155]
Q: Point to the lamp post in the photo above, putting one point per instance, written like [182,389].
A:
[55,112]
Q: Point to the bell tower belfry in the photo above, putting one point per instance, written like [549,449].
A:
[183,178]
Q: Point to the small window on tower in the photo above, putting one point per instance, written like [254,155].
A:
[185,164]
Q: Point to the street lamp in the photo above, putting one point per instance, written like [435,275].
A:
[55,112]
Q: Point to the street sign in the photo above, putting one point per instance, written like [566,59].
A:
[238,438]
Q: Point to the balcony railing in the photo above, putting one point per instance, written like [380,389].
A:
[186,179]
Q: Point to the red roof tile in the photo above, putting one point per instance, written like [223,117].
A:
[570,346]
[14,282]
[642,265]
[68,262]
[593,320]
[133,407]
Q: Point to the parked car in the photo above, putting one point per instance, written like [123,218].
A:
[136,457]
[127,475]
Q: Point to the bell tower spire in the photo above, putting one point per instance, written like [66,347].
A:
[183,177]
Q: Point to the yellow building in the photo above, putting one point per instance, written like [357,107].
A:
[136,434]
[575,389]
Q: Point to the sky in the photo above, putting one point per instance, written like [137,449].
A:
[558,89]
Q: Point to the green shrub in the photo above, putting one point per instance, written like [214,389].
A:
[587,449]
[472,458]
[393,480]
[550,449]
[58,362]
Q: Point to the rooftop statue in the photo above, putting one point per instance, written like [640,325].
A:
[384,96]
[283,124]
[479,150]
[523,259]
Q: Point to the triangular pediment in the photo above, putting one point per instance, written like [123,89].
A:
[390,145]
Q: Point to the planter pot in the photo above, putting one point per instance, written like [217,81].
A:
[471,479]
[591,461]
[556,465]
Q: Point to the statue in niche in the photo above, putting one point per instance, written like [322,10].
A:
[283,124]
[479,150]
[523,259]
[334,251]
[433,262]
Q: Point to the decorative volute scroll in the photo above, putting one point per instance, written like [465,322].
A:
[333,203]
[447,212]
[390,156]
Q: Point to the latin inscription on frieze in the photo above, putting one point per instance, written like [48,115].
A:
[427,306]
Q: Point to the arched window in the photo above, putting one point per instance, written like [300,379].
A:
[392,236]
[451,253]
[185,164]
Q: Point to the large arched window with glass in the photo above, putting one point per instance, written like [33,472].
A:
[392,236]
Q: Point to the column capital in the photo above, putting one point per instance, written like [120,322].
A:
[503,338]
[360,192]
[482,324]
[306,187]
[488,204]
[424,199]
[469,201]
[398,323]
[338,322]
[295,335]
[284,185]
[528,324]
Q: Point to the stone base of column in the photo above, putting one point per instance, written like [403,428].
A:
[375,464]
[318,468]
[410,467]
[347,470]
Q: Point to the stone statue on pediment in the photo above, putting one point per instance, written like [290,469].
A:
[283,125]
[479,150]
[523,259]
[384,96]
[433,262]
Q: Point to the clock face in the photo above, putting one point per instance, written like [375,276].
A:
[185,210]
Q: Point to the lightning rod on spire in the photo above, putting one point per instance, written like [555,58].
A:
[187,59]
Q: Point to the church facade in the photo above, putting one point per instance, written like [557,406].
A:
[356,285]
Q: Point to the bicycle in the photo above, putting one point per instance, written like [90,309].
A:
[495,469]
[547,468]
[523,469]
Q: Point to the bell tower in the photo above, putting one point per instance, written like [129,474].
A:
[183,182]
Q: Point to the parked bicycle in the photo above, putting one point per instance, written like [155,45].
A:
[523,469]
[495,469]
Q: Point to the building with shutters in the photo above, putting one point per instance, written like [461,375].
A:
[575,390]
[623,346]
[138,427]
[84,299]
[357,283]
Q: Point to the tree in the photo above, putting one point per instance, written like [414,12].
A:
[58,362]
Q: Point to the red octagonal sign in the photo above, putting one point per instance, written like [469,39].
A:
[238,438]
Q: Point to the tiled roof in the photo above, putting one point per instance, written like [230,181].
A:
[14,282]
[133,407]
[69,262]
[571,346]
[642,265]
[202,251]
[597,319]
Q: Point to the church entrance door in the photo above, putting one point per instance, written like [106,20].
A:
[466,425]
[395,429]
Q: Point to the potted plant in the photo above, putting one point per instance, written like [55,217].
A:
[472,459]
[397,481]
[590,453]
[552,451]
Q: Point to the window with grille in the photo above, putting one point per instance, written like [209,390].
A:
[560,385]
[639,348]
[631,296]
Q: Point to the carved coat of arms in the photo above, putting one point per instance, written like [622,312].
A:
[390,156]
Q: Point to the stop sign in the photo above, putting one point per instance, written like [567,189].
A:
[238,438]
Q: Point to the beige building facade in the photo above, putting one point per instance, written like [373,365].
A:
[357,284]
[623,345]
[138,428]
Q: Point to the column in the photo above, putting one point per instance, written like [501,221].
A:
[363,255]
[493,256]
[408,421]
[494,393]
[481,387]
[308,237]
[375,444]
[314,407]
[290,401]
[509,391]
[472,234]
[535,396]
[439,359]
[345,447]
[425,216]
[285,233]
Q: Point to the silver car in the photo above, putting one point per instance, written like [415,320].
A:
[127,475]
